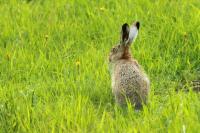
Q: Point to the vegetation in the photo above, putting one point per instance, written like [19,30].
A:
[54,65]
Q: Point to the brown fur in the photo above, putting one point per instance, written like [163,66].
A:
[126,55]
[129,82]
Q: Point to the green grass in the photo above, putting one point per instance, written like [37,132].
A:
[54,65]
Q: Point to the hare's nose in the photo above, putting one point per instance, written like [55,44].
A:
[109,59]
[137,24]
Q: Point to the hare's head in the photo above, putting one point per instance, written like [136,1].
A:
[128,34]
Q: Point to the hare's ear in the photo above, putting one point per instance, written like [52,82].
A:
[125,34]
[133,32]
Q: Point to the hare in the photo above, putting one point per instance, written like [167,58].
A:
[129,82]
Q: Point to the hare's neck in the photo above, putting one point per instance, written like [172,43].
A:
[111,67]
[126,54]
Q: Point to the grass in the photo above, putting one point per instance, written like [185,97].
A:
[54,65]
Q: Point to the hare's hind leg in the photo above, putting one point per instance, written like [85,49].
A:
[120,99]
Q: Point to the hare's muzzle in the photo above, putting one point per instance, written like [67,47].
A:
[109,58]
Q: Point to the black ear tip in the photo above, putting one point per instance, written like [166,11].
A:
[125,32]
[124,27]
[137,24]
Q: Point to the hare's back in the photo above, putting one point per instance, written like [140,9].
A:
[130,79]
[128,74]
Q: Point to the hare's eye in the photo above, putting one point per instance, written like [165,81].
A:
[114,50]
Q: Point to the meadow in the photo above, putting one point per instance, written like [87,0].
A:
[54,65]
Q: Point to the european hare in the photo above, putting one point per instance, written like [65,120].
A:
[129,82]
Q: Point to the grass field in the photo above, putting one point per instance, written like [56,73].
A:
[54,65]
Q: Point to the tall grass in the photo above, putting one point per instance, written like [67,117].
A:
[54,70]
